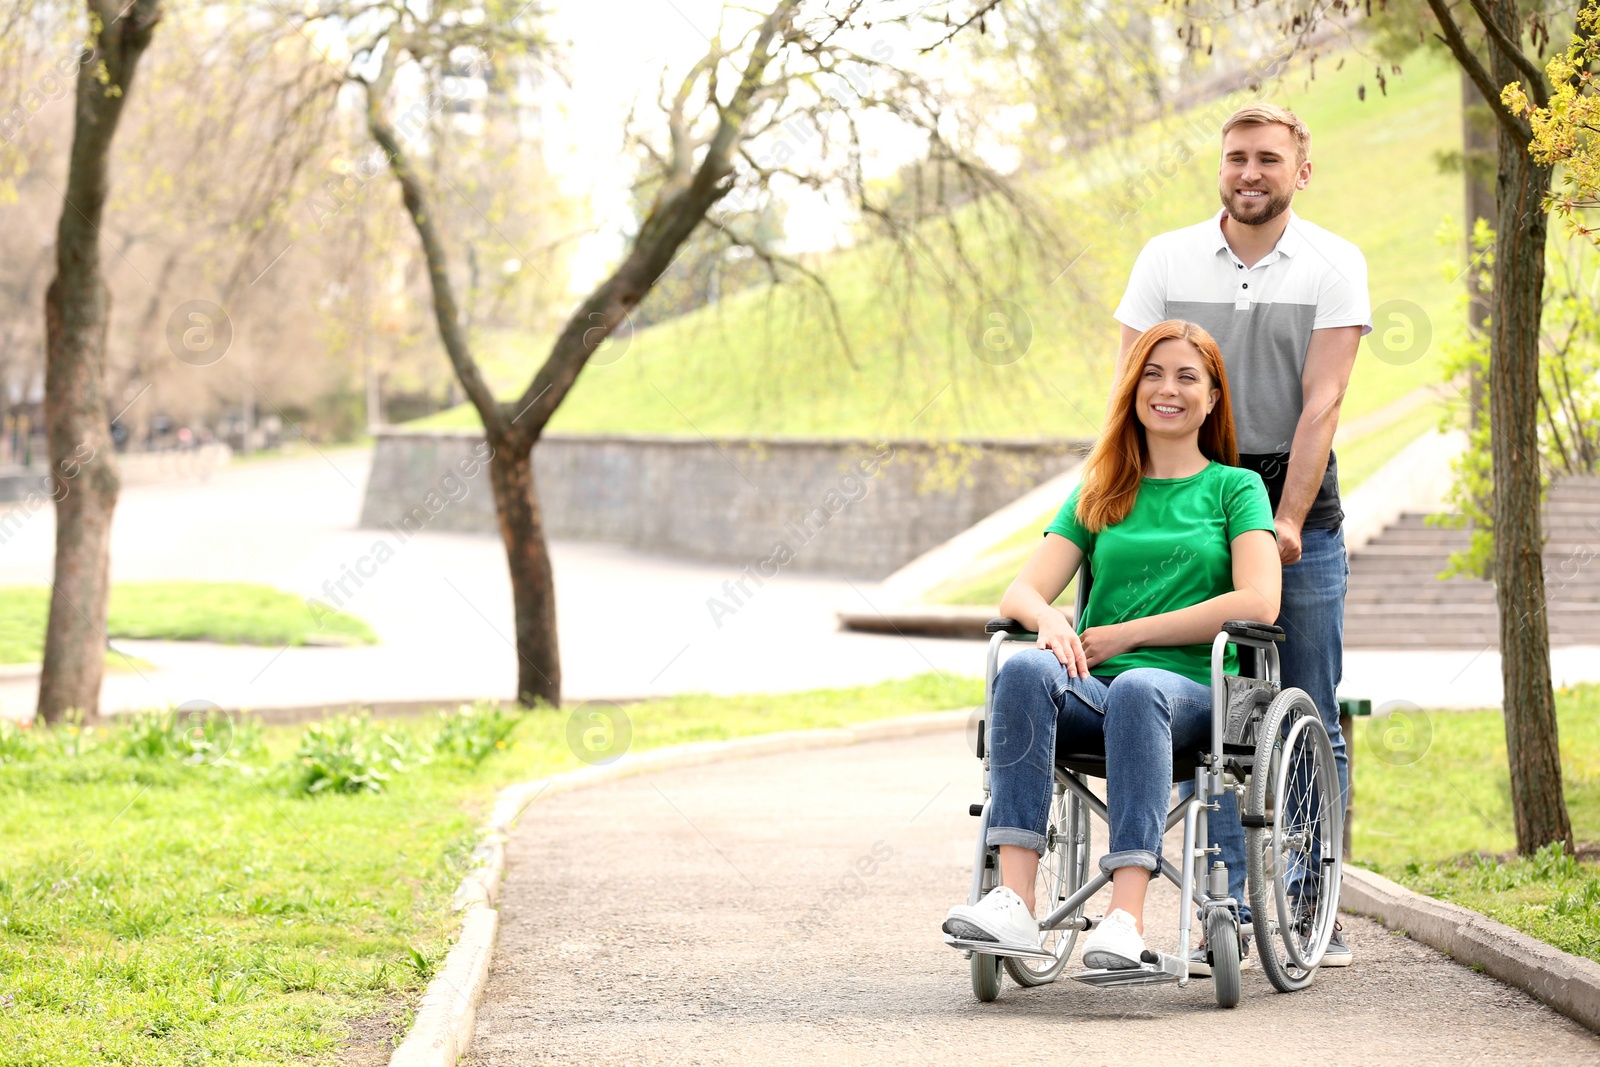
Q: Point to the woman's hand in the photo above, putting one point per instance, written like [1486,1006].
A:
[1057,634]
[1101,643]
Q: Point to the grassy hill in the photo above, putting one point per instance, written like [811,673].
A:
[764,361]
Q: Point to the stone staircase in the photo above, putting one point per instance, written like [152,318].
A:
[1396,600]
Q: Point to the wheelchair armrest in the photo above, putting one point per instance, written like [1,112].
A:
[1006,626]
[1255,633]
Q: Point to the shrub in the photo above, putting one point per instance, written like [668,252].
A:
[196,735]
[472,732]
[17,742]
[348,754]
[70,739]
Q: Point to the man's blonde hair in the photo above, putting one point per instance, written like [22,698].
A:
[1273,115]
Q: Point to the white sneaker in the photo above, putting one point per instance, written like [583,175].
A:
[1001,917]
[1115,944]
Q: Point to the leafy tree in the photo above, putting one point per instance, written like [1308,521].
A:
[788,69]
[1566,127]
[1507,29]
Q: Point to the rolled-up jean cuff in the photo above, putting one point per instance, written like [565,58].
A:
[1011,835]
[1134,857]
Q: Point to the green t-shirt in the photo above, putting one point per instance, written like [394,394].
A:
[1172,551]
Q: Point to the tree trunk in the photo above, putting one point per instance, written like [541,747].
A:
[1477,175]
[533,589]
[77,306]
[1531,739]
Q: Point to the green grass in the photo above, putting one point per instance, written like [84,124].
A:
[762,361]
[984,581]
[179,914]
[1361,459]
[1442,825]
[227,612]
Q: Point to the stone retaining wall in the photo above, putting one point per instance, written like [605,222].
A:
[845,506]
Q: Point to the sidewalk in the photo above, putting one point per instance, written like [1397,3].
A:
[631,624]
[789,912]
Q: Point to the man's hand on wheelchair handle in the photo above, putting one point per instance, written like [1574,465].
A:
[1057,634]
[1288,540]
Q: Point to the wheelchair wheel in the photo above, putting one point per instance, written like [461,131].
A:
[985,977]
[1063,868]
[1293,856]
[1222,940]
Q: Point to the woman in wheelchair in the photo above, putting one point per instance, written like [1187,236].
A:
[1179,540]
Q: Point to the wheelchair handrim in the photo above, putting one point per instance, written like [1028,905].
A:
[1324,826]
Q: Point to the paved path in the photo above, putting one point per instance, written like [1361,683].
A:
[673,919]
[631,624]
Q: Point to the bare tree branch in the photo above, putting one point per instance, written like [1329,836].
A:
[417,205]
[1513,51]
[977,16]
[1515,126]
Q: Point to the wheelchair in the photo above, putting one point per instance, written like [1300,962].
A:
[1270,748]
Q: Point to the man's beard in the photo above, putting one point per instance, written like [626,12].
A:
[1257,211]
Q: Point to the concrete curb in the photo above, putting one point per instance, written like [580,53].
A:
[442,1031]
[1567,983]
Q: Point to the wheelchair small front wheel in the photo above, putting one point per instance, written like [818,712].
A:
[1293,853]
[985,977]
[1222,941]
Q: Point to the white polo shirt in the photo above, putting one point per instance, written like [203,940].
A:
[1261,318]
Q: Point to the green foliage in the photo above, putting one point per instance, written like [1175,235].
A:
[1566,132]
[765,361]
[195,736]
[1569,365]
[17,742]
[1550,894]
[1569,395]
[1466,358]
[349,754]
[1442,823]
[175,914]
[72,738]
[474,731]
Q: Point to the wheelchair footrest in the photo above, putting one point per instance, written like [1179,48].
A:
[994,948]
[1165,969]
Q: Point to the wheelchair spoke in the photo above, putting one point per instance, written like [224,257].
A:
[1062,870]
[1294,857]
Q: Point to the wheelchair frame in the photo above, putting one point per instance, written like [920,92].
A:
[1226,766]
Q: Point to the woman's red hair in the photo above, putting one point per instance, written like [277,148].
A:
[1116,464]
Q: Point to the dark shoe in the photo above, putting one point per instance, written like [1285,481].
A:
[1338,954]
[1200,959]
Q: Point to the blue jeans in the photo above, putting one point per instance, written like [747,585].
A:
[1141,717]
[1311,658]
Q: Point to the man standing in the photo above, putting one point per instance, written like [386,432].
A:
[1287,303]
